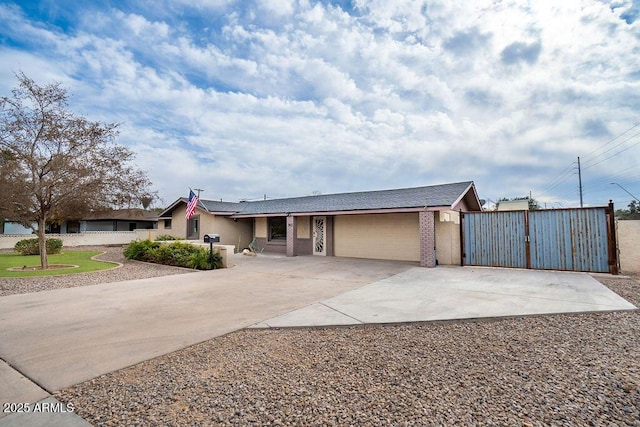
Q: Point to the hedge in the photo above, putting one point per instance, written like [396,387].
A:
[177,254]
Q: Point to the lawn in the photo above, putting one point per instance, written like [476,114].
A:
[80,258]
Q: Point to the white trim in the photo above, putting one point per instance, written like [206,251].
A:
[353,212]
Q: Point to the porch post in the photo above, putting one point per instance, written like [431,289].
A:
[427,239]
[292,233]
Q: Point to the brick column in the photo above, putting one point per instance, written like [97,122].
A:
[427,239]
[292,232]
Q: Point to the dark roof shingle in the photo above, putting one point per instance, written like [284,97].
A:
[215,206]
[428,196]
[442,195]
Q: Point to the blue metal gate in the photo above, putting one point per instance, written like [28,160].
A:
[495,238]
[572,239]
[581,239]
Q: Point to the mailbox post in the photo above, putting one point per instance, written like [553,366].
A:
[211,253]
[211,239]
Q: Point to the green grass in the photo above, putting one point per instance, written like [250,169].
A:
[79,258]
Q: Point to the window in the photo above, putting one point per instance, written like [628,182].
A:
[167,224]
[52,228]
[73,227]
[277,228]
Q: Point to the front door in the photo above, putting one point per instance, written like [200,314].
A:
[193,228]
[319,235]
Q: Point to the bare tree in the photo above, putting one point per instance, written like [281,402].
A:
[57,166]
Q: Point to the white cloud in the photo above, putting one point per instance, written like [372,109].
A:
[289,97]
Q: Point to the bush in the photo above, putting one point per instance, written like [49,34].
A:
[166,237]
[177,254]
[139,249]
[200,260]
[30,246]
[173,254]
[54,246]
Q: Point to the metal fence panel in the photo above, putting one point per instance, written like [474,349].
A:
[569,239]
[495,239]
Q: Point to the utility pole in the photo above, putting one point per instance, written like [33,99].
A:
[580,180]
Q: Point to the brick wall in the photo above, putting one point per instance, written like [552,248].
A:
[427,239]
[292,233]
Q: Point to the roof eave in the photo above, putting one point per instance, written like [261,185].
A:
[172,206]
[344,212]
[167,212]
[221,213]
[476,199]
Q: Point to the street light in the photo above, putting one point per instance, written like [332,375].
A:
[615,183]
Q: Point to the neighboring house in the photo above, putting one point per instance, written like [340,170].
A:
[409,224]
[12,227]
[116,220]
[513,205]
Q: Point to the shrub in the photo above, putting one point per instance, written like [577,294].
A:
[177,254]
[27,247]
[30,246]
[167,237]
[139,249]
[173,254]
[54,246]
[200,260]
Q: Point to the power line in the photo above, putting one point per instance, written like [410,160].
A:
[569,171]
[613,155]
[628,175]
[562,177]
[611,140]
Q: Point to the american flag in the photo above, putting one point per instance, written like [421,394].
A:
[191,206]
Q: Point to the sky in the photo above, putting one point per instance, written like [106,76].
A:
[285,98]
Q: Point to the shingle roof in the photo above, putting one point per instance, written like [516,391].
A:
[432,196]
[403,198]
[214,206]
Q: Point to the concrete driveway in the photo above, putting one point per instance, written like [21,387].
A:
[447,293]
[62,337]
[54,339]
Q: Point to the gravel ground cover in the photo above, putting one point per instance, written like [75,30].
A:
[581,369]
[128,270]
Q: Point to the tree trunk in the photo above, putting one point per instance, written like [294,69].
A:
[42,244]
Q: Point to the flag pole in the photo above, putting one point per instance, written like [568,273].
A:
[198,195]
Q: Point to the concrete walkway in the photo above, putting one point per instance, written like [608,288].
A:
[447,293]
[54,339]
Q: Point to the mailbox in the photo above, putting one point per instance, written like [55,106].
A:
[211,238]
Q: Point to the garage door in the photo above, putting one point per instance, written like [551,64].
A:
[378,236]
